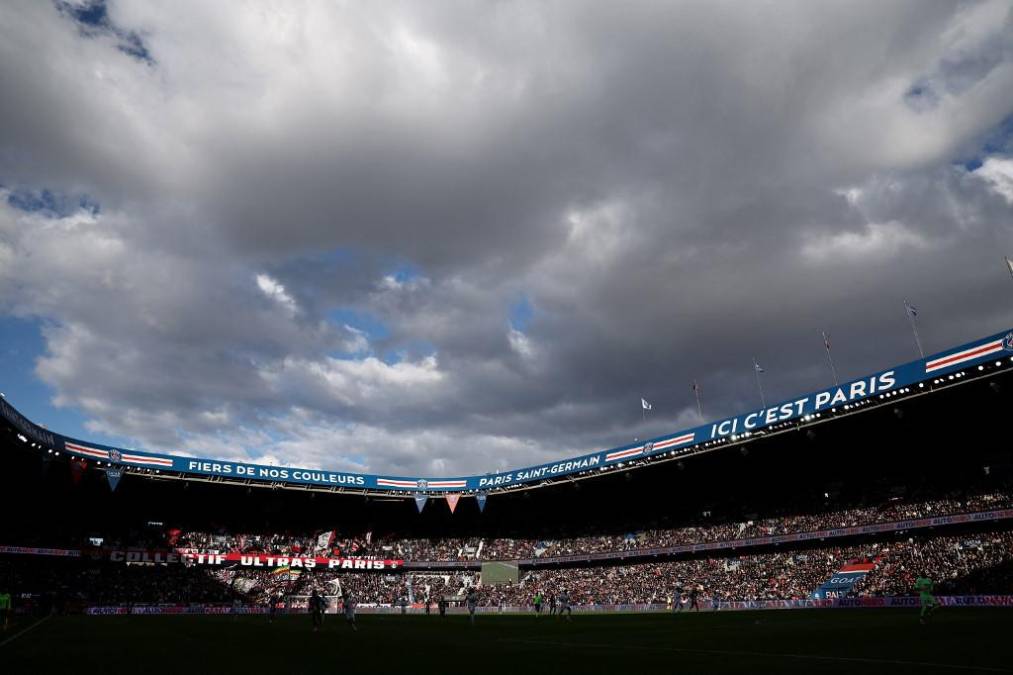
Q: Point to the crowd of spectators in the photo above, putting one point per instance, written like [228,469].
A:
[965,564]
[959,564]
[503,548]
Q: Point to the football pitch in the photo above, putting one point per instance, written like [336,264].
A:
[795,641]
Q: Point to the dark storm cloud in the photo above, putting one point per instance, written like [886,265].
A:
[676,188]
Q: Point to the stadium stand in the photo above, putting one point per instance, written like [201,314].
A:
[869,500]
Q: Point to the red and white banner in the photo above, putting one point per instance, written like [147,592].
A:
[255,560]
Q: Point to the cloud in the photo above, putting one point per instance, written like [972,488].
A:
[998,173]
[275,291]
[300,231]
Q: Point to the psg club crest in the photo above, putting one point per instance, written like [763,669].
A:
[648,446]
[115,456]
[422,483]
[1007,342]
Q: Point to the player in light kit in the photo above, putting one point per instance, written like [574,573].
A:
[472,602]
[317,610]
[5,608]
[564,605]
[923,585]
[349,604]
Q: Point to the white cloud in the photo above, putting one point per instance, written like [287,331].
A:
[275,291]
[997,172]
[877,241]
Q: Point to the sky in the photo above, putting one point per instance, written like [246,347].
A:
[447,238]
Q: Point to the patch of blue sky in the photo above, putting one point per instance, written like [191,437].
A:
[999,140]
[93,19]
[21,344]
[52,204]
[521,313]
[372,327]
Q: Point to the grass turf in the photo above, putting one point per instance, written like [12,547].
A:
[795,641]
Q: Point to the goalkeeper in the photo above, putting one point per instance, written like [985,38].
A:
[929,603]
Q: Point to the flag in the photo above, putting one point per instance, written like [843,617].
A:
[420,502]
[696,387]
[452,501]
[758,367]
[113,475]
[1009,264]
[324,540]
[644,404]
[911,309]
[481,498]
[826,341]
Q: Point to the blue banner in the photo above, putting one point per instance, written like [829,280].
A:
[900,380]
[839,585]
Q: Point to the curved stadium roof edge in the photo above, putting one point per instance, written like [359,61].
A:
[906,379]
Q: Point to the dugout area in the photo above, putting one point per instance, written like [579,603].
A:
[870,641]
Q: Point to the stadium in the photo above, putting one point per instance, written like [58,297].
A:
[498,337]
[822,521]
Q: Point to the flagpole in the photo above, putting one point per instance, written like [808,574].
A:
[756,369]
[830,359]
[914,328]
[699,408]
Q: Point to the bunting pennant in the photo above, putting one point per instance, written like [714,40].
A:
[452,501]
[420,502]
[77,467]
[113,475]
[480,498]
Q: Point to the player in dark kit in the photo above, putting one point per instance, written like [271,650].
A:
[441,604]
[317,606]
[272,607]
[349,605]
[694,595]
[552,604]
[472,602]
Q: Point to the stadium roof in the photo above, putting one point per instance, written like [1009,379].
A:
[946,369]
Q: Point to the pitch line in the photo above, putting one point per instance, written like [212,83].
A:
[724,652]
[22,632]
